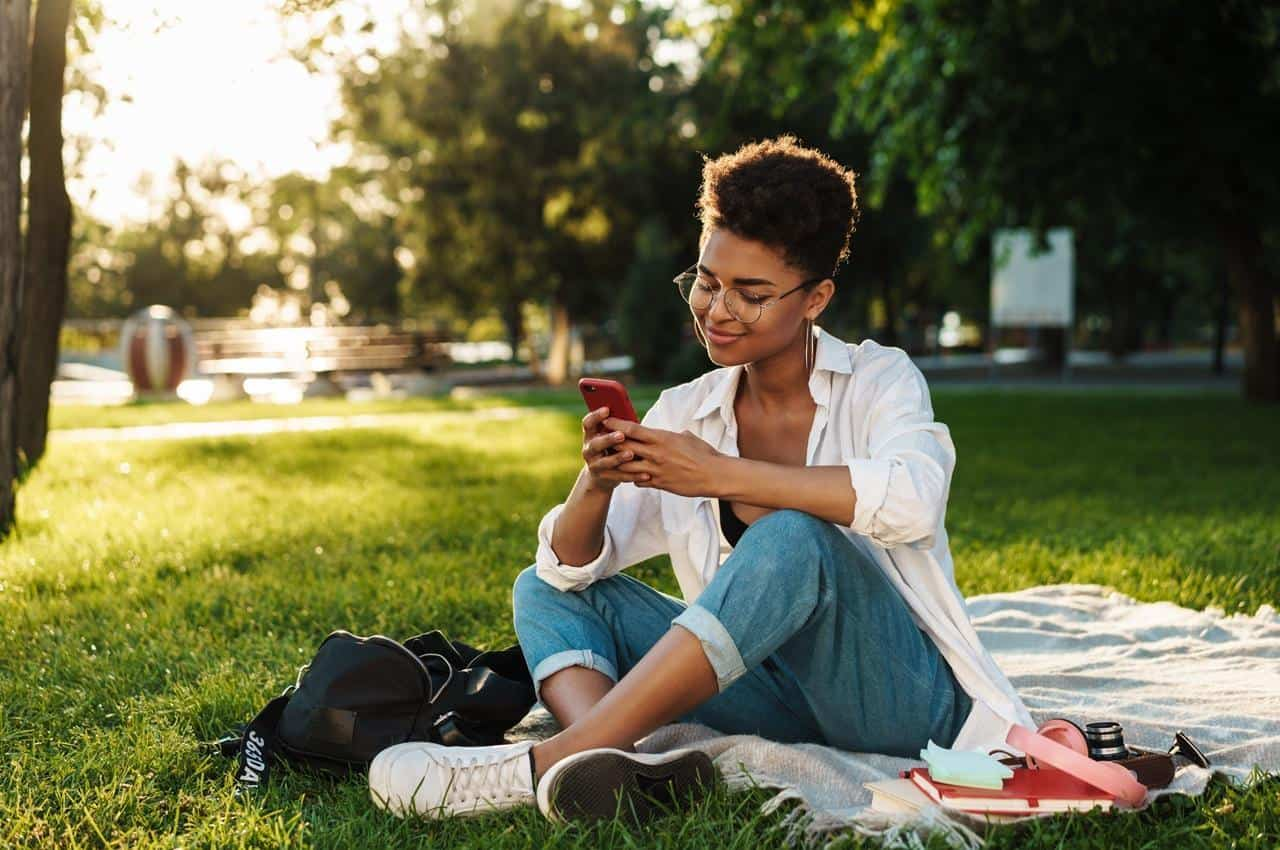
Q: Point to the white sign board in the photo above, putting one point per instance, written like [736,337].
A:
[1032,290]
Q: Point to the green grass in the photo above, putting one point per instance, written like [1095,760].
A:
[159,592]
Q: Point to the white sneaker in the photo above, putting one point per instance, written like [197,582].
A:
[433,780]
[603,783]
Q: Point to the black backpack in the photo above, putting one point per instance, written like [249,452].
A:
[360,695]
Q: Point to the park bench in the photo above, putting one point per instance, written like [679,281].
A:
[318,350]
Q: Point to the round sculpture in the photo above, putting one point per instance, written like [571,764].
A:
[158,350]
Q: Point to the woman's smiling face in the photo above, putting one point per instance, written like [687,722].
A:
[759,274]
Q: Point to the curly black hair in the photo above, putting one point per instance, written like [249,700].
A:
[796,200]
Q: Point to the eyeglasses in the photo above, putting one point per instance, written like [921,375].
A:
[701,290]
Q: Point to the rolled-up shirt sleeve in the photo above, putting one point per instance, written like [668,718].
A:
[901,490]
[632,531]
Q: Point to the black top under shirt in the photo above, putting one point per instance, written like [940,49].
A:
[730,523]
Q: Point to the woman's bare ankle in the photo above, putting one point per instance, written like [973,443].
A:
[548,752]
[544,756]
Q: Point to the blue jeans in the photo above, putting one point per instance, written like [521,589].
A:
[808,639]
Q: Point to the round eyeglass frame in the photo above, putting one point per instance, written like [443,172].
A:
[732,304]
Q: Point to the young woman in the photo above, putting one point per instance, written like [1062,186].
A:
[800,490]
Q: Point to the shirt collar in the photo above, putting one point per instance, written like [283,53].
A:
[832,356]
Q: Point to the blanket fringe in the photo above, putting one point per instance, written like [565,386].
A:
[912,831]
[893,830]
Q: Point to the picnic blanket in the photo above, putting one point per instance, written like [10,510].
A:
[1080,651]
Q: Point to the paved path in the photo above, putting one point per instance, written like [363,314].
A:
[238,427]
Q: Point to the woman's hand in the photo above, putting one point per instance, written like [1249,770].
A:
[678,462]
[602,467]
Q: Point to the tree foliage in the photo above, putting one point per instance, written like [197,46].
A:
[1143,123]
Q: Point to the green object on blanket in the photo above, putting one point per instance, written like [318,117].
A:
[970,768]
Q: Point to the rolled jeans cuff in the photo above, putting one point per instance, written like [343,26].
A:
[570,658]
[716,642]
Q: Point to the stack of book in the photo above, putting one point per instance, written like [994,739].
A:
[1030,792]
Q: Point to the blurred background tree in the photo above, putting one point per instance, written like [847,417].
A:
[509,156]
[521,147]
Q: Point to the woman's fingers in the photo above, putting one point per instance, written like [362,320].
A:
[609,467]
[594,418]
[636,431]
[600,463]
[595,448]
[637,465]
[591,423]
[623,477]
[599,444]
[644,450]
[620,477]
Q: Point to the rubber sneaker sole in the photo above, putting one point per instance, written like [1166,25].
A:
[605,783]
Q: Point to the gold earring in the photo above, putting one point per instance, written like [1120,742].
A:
[810,347]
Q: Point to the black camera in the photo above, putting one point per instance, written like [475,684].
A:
[1152,768]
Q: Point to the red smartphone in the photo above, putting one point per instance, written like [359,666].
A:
[602,392]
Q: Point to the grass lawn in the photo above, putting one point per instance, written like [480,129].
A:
[160,592]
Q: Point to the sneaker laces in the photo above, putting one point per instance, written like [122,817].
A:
[474,774]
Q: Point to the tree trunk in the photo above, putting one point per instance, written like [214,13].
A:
[1256,296]
[1220,325]
[1122,292]
[513,321]
[48,233]
[1053,345]
[14,17]
[1168,306]
[889,336]
[558,356]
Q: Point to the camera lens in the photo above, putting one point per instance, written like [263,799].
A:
[1106,741]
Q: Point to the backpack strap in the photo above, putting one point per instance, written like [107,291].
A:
[257,747]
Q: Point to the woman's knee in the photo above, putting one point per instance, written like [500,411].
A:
[790,523]
[786,532]
[793,545]
[804,546]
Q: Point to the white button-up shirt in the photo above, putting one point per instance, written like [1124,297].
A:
[874,416]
